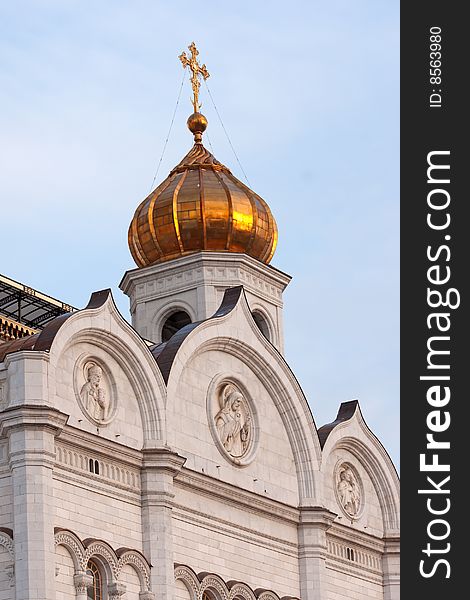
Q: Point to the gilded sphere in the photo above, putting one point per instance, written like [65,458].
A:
[197,123]
[201,206]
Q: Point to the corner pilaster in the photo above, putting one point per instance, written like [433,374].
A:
[160,467]
[31,431]
[391,568]
[314,523]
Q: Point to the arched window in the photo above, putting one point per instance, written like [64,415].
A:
[94,592]
[174,323]
[350,554]
[263,326]
[94,466]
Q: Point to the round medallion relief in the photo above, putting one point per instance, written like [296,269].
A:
[95,390]
[349,490]
[232,420]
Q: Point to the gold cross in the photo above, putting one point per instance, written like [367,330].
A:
[197,70]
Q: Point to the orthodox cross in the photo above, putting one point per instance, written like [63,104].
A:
[196,70]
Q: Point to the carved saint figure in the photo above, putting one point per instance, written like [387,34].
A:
[233,422]
[348,491]
[93,396]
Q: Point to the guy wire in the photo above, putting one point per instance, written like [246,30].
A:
[225,131]
[169,130]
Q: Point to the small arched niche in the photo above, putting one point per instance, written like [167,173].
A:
[173,323]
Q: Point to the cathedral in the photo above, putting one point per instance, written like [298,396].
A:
[178,458]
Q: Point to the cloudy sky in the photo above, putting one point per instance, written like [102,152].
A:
[308,92]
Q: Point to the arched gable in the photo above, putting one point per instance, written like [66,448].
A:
[349,436]
[124,356]
[233,333]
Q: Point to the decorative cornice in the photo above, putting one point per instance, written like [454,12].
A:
[318,516]
[202,260]
[102,447]
[32,415]
[237,497]
[246,534]
[354,536]
[162,459]
[392,545]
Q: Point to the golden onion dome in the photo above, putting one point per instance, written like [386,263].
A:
[201,206]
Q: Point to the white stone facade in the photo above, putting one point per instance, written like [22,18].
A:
[147,490]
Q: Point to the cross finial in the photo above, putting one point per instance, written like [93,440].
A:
[196,70]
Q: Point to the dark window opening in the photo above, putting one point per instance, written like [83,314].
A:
[262,324]
[94,592]
[174,323]
[94,466]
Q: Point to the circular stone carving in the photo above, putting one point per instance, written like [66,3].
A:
[232,420]
[349,490]
[95,390]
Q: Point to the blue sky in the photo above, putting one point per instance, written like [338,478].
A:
[309,94]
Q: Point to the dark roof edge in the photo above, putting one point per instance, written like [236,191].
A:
[345,413]
[166,356]
[25,343]
[98,298]
[47,335]
[43,341]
